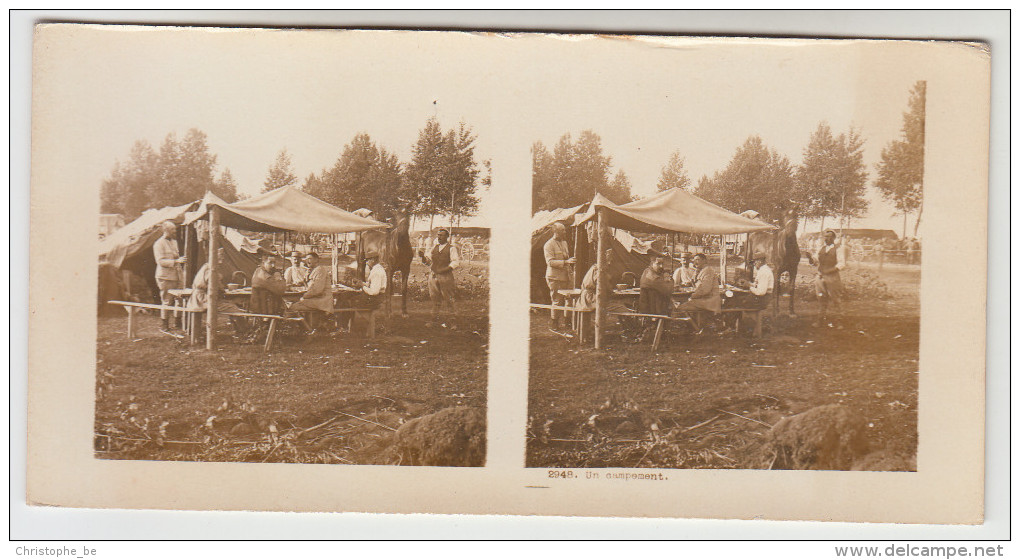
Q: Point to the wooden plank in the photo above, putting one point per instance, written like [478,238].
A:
[271,334]
[658,335]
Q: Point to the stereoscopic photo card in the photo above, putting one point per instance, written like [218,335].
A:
[519,273]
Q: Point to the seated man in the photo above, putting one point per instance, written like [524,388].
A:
[656,294]
[706,298]
[296,274]
[318,298]
[374,287]
[200,295]
[267,287]
[684,275]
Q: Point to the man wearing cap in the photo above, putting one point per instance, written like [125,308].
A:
[168,268]
[442,259]
[296,274]
[828,285]
[267,287]
[318,297]
[557,269]
[656,292]
[684,275]
[706,297]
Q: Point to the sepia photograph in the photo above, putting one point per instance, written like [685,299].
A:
[731,278]
[616,275]
[283,276]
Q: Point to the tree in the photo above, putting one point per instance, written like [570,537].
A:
[832,178]
[901,168]
[756,178]
[225,187]
[573,173]
[542,182]
[618,190]
[181,172]
[424,174]
[674,174]
[281,173]
[443,176]
[364,176]
[127,190]
[462,172]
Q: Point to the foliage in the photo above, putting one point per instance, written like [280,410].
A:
[364,176]
[181,172]
[225,187]
[674,174]
[832,179]
[901,169]
[281,173]
[756,178]
[573,173]
[443,176]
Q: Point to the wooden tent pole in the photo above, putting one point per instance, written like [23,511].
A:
[601,289]
[214,242]
[575,277]
[336,257]
[187,255]
[722,259]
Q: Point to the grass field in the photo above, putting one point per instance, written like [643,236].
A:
[708,401]
[334,398]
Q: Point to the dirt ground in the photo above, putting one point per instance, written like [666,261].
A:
[328,398]
[709,401]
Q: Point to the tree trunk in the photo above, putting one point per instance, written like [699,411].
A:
[917,223]
[904,225]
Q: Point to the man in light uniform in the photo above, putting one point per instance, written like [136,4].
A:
[318,298]
[706,297]
[557,270]
[169,275]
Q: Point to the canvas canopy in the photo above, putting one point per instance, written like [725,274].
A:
[673,211]
[284,209]
[629,252]
[140,234]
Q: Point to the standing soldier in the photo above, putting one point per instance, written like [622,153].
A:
[442,259]
[169,275]
[557,270]
[828,285]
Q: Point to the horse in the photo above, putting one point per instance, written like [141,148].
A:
[395,254]
[781,251]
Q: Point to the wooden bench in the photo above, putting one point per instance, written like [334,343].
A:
[660,321]
[578,316]
[131,306]
[273,320]
[756,315]
[362,312]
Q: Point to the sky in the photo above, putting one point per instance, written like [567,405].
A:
[255,92]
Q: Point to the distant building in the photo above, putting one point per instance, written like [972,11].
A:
[109,223]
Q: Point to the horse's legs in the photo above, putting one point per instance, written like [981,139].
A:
[403,293]
[793,289]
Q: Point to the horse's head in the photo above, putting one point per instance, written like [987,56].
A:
[400,220]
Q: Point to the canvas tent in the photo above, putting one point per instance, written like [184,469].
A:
[670,211]
[673,211]
[286,209]
[630,254]
[282,210]
[129,249]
